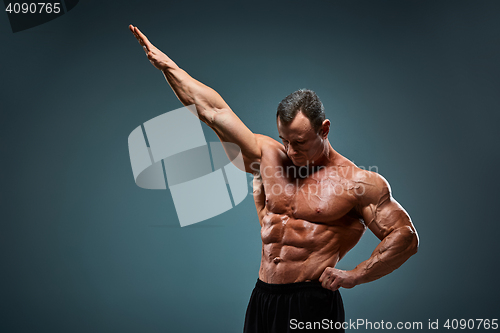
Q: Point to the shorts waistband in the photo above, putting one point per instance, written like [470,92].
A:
[286,287]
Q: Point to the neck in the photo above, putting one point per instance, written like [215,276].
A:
[327,156]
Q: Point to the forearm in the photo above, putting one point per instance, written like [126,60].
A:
[213,111]
[391,253]
[190,91]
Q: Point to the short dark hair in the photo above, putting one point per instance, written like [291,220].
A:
[307,102]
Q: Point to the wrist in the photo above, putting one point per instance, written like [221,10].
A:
[357,275]
[169,66]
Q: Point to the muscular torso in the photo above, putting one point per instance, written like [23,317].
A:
[308,217]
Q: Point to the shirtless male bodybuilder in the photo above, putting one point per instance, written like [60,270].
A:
[313,206]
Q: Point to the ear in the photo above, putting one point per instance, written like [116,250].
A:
[325,128]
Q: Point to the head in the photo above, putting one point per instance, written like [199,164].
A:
[303,128]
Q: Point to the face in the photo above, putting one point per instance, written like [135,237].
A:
[302,143]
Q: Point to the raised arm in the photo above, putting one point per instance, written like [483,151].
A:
[210,106]
[385,217]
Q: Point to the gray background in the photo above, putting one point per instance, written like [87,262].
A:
[411,87]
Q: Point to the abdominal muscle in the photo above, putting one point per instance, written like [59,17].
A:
[295,250]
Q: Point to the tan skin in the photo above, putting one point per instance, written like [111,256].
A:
[312,218]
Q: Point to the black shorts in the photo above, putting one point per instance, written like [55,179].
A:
[293,307]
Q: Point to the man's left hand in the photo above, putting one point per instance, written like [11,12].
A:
[333,279]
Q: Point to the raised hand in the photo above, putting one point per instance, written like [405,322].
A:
[159,59]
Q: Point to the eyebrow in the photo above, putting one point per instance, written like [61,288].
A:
[298,139]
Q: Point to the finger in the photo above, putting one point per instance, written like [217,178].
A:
[139,38]
[132,28]
[327,280]
[144,39]
[322,277]
[335,284]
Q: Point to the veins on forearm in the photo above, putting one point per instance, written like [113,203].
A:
[184,86]
[389,255]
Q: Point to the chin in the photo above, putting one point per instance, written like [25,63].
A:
[299,162]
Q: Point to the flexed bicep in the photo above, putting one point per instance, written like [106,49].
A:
[381,212]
